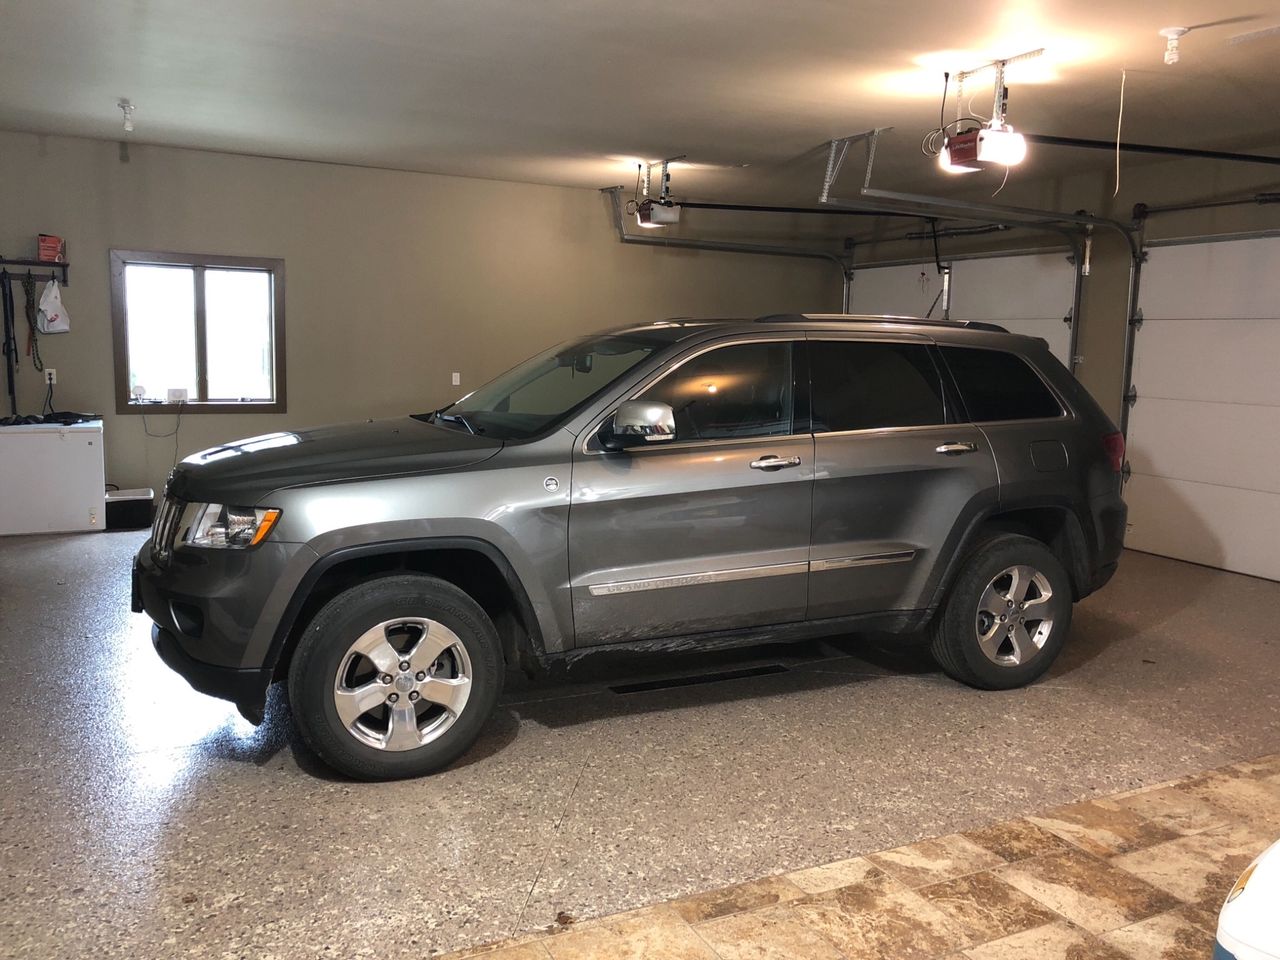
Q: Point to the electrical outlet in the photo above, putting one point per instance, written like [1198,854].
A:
[457,379]
[50,375]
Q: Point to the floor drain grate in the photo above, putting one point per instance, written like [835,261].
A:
[647,685]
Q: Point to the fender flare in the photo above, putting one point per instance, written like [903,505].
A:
[1077,564]
[302,592]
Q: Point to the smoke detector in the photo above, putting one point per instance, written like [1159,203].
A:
[1172,35]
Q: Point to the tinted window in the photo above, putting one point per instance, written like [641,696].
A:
[999,386]
[864,386]
[544,390]
[740,391]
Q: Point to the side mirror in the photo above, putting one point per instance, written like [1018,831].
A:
[637,423]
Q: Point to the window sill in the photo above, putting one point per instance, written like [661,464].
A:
[200,407]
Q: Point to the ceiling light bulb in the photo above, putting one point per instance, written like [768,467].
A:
[946,166]
[1001,145]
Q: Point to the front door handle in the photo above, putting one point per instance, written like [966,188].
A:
[774,463]
[955,449]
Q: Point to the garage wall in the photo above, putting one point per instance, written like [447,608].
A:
[394,279]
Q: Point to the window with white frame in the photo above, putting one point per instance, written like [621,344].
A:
[212,326]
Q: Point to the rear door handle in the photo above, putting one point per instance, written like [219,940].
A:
[774,463]
[955,449]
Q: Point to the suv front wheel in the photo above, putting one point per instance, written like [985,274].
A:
[395,677]
[1006,617]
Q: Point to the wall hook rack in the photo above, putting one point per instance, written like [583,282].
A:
[52,267]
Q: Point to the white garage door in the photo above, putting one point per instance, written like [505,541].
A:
[1030,294]
[1204,436]
[903,291]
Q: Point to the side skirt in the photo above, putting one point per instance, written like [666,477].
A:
[895,621]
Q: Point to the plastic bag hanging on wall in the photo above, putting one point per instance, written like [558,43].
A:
[52,317]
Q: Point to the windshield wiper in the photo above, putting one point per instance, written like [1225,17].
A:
[456,418]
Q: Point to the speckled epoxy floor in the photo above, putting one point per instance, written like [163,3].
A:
[140,818]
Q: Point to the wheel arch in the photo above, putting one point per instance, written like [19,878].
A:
[476,566]
[1053,522]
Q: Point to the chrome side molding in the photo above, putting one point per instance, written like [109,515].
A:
[869,560]
[747,573]
[697,579]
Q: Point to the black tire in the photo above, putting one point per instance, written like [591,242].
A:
[325,646]
[954,632]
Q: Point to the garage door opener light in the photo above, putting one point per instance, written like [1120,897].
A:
[994,143]
[661,212]
[1172,35]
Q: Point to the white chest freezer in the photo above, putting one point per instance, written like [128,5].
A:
[52,478]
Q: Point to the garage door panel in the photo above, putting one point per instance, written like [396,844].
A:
[1027,294]
[1217,526]
[1226,444]
[1229,279]
[1013,288]
[1232,361]
[1053,331]
[1204,437]
[906,291]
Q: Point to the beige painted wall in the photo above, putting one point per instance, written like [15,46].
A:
[394,279]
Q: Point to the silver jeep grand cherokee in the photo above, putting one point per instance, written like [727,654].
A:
[678,484]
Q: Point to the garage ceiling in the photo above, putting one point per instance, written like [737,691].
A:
[564,91]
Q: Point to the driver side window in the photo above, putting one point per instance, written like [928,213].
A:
[744,390]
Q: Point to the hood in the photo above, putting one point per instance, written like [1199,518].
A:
[245,471]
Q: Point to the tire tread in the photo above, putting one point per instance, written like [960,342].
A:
[950,632]
[308,681]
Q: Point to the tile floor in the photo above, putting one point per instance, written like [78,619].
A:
[1136,876]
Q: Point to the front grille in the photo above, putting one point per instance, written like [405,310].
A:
[165,527]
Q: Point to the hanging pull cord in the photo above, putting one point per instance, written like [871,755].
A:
[33,340]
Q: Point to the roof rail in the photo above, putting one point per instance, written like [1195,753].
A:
[879,318]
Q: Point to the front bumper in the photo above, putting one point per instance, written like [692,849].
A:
[245,688]
[207,606]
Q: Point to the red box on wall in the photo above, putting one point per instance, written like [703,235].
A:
[51,249]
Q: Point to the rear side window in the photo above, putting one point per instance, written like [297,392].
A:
[864,385]
[999,386]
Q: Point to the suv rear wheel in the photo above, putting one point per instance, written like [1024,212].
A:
[395,677]
[1006,617]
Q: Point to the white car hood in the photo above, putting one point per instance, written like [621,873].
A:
[1249,925]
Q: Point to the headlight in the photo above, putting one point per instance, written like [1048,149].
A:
[219,525]
[1242,882]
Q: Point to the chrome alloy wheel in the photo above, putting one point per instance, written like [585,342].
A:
[402,683]
[1014,618]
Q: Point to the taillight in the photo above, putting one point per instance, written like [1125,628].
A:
[1113,443]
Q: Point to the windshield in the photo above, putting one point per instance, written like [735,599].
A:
[541,392]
